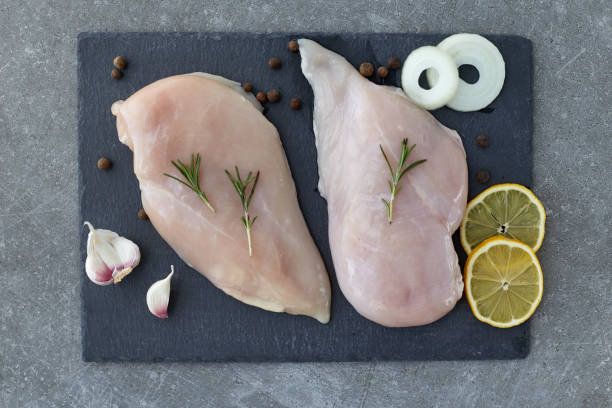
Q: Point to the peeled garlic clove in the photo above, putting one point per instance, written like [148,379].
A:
[158,296]
[110,257]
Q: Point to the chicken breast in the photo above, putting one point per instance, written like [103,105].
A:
[178,116]
[400,274]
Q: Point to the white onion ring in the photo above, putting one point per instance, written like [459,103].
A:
[473,49]
[425,58]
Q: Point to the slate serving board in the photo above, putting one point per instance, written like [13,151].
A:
[207,325]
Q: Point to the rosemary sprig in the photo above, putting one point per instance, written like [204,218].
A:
[398,174]
[192,175]
[245,198]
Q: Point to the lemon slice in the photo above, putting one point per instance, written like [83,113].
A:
[503,282]
[510,210]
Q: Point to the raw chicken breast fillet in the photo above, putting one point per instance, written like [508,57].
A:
[400,274]
[199,113]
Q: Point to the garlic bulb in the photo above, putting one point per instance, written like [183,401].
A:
[110,257]
[158,296]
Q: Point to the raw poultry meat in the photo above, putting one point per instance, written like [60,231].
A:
[200,113]
[400,274]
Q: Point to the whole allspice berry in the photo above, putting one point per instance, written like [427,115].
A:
[483,176]
[248,87]
[395,63]
[293,46]
[116,74]
[482,141]
[366,69]
[142,214]
[274,63]
[104,163]
[295,103]
[119,62]
[261,97]
[273,95]
[382,72]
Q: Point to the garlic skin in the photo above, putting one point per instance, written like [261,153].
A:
[158,296]
[110,257]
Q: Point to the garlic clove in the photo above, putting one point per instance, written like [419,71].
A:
[97,271]
[110,257]
[129,255]
[158,296]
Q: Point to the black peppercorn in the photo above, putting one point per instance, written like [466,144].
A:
[382,72]
[273,95]
[274,63]
[104,163]
[261,97]
[295,103]
[482,141]
[142,214]
[366,69]
[119,62]
[483,176]
[248,87]
[294,46]
[395,63]
[116,74]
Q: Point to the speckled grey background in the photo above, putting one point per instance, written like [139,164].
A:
[40,364]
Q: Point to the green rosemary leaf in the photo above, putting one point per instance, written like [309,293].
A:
[386,159]
[179,180]
[412,166]
[403,156]
[196,167]
[192,177]
[253,189]
[241,187]
[397,175]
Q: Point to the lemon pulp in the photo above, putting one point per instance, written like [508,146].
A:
[503,282]
[509,210]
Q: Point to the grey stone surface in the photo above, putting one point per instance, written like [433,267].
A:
[40,365]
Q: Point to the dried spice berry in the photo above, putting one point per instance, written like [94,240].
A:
[295,103]
[274,63]
[261,97]
[395,63]
[116,74]
[483,176]
[119,62]
[248,87]
[273,95]
[482,141]
[104,163]
[142,214]
[293,46]
[382,72]
[366,69]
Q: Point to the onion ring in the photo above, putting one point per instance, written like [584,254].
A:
[473,49]
[430,58]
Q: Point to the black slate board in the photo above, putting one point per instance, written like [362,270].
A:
[204,323]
